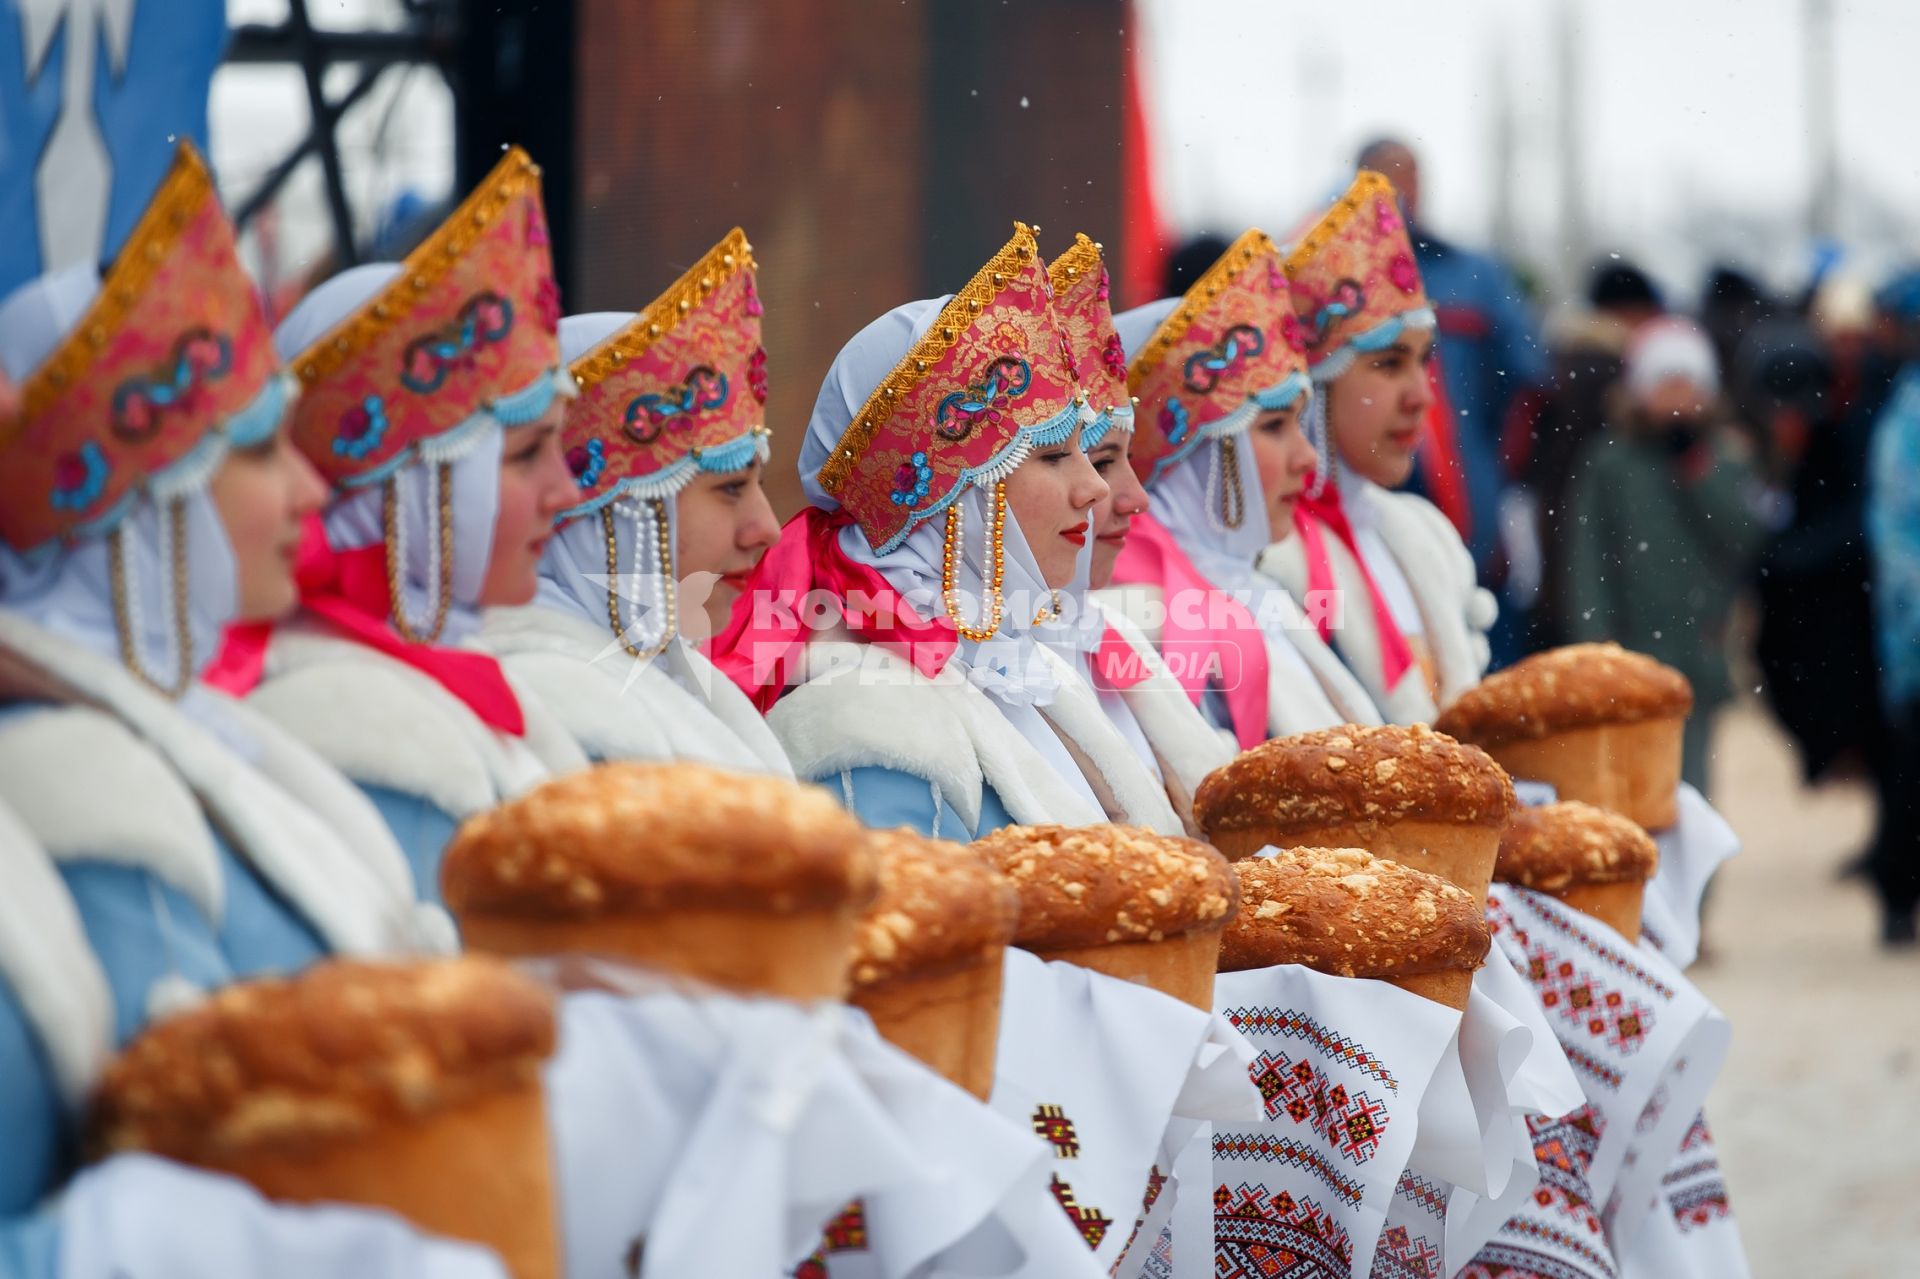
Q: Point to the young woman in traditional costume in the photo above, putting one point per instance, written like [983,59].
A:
[665,443]
[1146,703]
[431,404]
[1413,629]
[1221,385]
[159,838]
[951,503]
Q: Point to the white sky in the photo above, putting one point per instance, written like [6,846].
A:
[1693,142]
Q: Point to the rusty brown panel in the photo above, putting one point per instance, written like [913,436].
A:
[800,120]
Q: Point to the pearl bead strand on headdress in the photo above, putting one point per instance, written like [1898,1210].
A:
[126,603]
[440,562]
[653,519]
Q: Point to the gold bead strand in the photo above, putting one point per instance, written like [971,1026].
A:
[996,569]
[1233,500]
[396,571]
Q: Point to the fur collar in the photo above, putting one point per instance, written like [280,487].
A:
[45,959]
[1357,638]
[1326,693]
[349,882]
[863,706]
[617,707]
[1458,612]
[1187,747]
[1127,789]
[383,723]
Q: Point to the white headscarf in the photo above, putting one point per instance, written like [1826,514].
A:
[354,519]
[1007,667]
[66,587]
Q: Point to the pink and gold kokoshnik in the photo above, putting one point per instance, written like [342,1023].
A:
[174,344]
[1354,272]
[1081,300]
[988,380]
[680,387]
[469,323]
[1230,340]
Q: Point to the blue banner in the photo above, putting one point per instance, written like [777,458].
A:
[93,96]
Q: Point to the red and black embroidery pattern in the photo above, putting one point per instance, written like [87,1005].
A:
[1057,1130]
[1257,1235]
[1694,1189]
[1266,1148]
[1404,1255]
[1090,1222]
[1352,1122]
[847,1232]
[1289,1024]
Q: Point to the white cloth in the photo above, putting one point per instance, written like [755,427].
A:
[729,1135]
[1342,1066]
[1005,667]
[1100,1068]
[138,1215]
[1690,853]
[1643,1041]
[1691,1232]
[1473,1165]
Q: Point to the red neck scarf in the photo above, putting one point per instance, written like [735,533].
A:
[1396,655]
[767,633]
[1441,468]
[1207,632]
[349,590]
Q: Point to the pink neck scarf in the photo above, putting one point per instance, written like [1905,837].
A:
[768,630]
[1207,632]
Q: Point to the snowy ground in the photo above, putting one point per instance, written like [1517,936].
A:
[1818,1112]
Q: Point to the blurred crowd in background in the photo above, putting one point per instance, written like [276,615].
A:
[1732,486]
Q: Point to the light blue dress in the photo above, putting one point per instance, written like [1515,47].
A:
[141,928]
[887,797]
[421,828]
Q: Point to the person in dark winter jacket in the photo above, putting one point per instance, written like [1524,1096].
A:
[1663,524]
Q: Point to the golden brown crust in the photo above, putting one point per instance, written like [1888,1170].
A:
[632,838]
[1578,686]
[1348,913]
[1087,885]
[330,1054]
[941,906]
[1559,846]
[1354,773]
